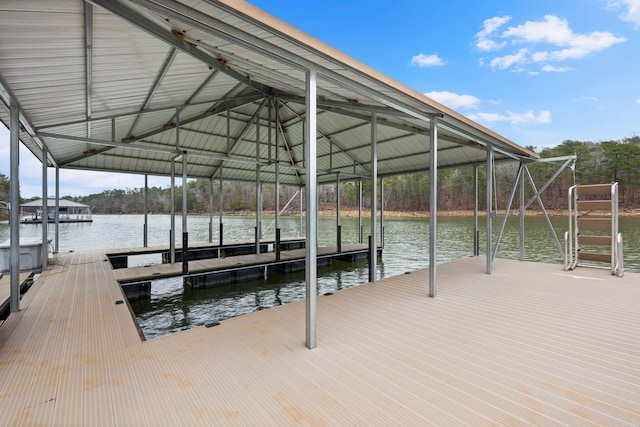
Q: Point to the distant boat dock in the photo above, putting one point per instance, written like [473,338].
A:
[68,212]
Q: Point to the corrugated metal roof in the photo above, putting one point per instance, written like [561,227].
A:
[104,87]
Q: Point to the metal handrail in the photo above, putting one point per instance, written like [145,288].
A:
[620,256]
[572,253]
[571,236]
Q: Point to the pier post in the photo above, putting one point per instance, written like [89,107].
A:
[382,212]
[374,197]
[45,211]
[146,209]
[489,230]
[522,213]
[210,210]
[476,233]
[185,252]
[57,217]
[433,206]
[258,186]
[14,198]
[311,195]
[360,236]
[338,224]
[172,231]
[277,244]
[220,202]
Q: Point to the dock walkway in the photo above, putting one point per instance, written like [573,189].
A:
[156,271]
[529,344]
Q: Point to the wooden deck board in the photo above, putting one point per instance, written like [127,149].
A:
[529,344]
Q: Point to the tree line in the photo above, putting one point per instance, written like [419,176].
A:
[597,162]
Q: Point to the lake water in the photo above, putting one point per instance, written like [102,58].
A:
[173,307]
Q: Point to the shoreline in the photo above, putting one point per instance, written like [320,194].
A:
[353,213]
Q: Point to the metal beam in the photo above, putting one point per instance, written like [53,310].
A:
[14,200]
[88,61]
[311,240]
[9,99]
[373,247]
[489,213]
[161,33]
[507,209]
[45,211]
[433,207]
[154,87]
[57,214]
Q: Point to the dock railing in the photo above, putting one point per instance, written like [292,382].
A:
[592,210]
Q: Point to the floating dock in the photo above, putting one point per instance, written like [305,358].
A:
[197,251]
[218,271]
[529,344]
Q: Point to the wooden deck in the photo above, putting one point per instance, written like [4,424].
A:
[528,345]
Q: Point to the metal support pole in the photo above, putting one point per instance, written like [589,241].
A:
[338,223]
[507,210]
[45,211]
[210,210]
[220,201]
[185,233]
[14,199]
[546,215]
[433,207]
[57,214]
[172,232]
[301,223]
[277,148]
[360,210]
[373,249]
[146,210]
[476,233]
[522,214]
[382,212]
[489,203]
[258,187]
[311,244]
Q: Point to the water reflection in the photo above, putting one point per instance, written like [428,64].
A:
[173,307]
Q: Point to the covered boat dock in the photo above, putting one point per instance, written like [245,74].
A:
[221,90]
[67,211]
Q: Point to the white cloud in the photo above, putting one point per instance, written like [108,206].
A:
[631,13]
[554,69]
[515,119]
[504,62]
[551,30]
[588,98]
[638,101]
[489,26]
[454,100]
[457,101]
[423,60]
[550,39]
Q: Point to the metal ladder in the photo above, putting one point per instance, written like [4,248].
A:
[593,228]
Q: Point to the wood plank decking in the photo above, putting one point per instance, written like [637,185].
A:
[529,344]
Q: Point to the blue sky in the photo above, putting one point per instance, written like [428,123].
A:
[538,72]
